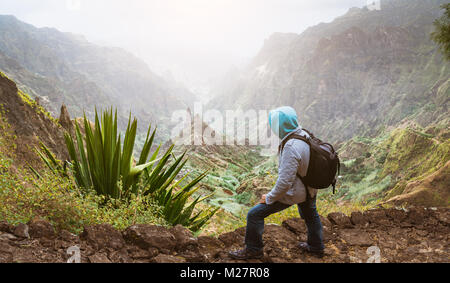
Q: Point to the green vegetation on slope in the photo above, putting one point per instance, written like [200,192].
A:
[442,31]
[408,154]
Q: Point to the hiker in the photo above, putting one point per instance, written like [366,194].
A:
[289,190]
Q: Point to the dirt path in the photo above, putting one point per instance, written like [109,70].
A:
[416,235]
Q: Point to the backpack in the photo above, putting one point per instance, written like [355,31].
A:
[324,164]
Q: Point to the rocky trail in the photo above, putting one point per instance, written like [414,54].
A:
[385,235]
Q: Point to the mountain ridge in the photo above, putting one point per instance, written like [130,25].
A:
[83,74]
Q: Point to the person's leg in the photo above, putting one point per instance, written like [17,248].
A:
[255,224]
[308,211]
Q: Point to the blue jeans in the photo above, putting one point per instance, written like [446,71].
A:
[308,212]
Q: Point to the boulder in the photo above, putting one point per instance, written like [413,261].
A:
[357,218]
[377,217]
[295,225]
[340,219]
[356,238]
[22,231]
[148,236]
[184,238]
[103,236]
[41,229]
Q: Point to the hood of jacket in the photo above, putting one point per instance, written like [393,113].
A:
[283,121]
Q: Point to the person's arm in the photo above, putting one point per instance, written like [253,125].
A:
[287,173]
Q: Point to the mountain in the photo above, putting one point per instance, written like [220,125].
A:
[66,68]
[358,75]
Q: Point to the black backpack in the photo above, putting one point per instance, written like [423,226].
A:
[324,164]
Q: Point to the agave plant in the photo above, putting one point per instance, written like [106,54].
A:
[99,161]
[173,197]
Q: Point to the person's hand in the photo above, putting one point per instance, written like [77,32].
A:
[263,199]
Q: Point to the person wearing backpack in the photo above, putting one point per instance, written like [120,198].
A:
[298,151]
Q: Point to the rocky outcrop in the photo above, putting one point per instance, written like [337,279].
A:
[64,119]
[413,235]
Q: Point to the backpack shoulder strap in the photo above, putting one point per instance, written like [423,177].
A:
[297,137]
[302,138]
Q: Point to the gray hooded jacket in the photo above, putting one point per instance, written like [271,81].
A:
[294,159]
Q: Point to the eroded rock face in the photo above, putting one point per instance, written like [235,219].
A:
[413,235]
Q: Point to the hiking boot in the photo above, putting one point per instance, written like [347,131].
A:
[307,248]
[246,254]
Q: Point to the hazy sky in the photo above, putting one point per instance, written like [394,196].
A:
[192,38]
